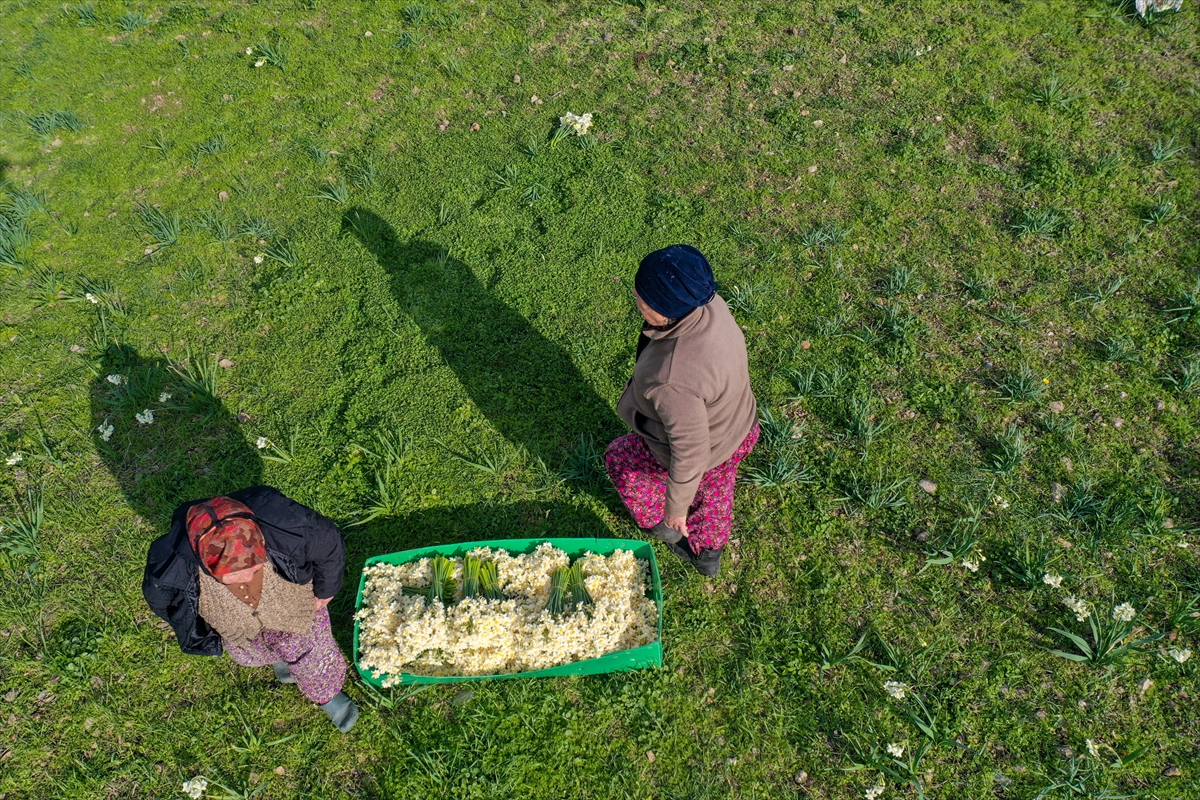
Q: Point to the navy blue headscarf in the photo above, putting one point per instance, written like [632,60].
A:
[675,280]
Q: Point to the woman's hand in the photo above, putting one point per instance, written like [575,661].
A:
[319,603]
[678,523]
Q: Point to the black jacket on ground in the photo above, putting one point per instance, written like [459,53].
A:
[303,546]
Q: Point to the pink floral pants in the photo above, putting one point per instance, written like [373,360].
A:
[642,483]
[314,658]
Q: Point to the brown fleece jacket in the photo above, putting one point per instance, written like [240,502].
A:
[690,398]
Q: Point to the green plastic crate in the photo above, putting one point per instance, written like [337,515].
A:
[649,655]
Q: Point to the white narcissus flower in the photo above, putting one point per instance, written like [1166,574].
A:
[875,791]
[249,51]
[1052,580]
[895,750]
[1093,750]
[972,562]
[999,502]
[14,459]
[195,787]
[262,443]
[896,689]
[146,417]
[115,380]
[1145,7]
[1079,608]
[91,298]
[579,123]
[105,429]
[258,259]
[260,62]
[1179,655]
[1124,613]
[164,397]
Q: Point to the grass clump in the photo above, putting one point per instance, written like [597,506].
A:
[45,123]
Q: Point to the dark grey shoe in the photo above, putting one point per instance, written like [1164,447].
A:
[664,533]
[283,673]
[706,562]
[342,711]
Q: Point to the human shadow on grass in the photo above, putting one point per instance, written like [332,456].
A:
[452,525]
[193,447]
[525,384]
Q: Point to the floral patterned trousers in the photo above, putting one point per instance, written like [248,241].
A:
[314,658]
[642,483]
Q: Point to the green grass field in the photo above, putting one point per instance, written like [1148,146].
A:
[961,239]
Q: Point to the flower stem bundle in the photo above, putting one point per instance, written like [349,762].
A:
[559,580]
[472,567]
[441,586]
[579,593]
[489,580]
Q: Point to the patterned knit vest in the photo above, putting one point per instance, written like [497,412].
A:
[282,606]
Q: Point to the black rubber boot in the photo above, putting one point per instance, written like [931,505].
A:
[342,711]
[706,562]
[664,533]
[283,672]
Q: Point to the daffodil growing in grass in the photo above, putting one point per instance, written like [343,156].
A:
[961,544]
[195,787]
[901,763]
[572,124]
[1111,641]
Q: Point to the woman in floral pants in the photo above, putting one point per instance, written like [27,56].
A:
[689,403]
[251,574]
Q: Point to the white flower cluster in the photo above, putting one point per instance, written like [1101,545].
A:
[14,459]
[895,750]
[105,430]
[476,636]
[875,791]
[145,417]
[1145,7]
[1080,608]
[973,561]
[896,689]
[1124,613]
[1180,655]
[579,123]
[1052,580]
[195,787]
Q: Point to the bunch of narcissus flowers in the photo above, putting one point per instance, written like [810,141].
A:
[492,613]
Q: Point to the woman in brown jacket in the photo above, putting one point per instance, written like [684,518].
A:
[690,405]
